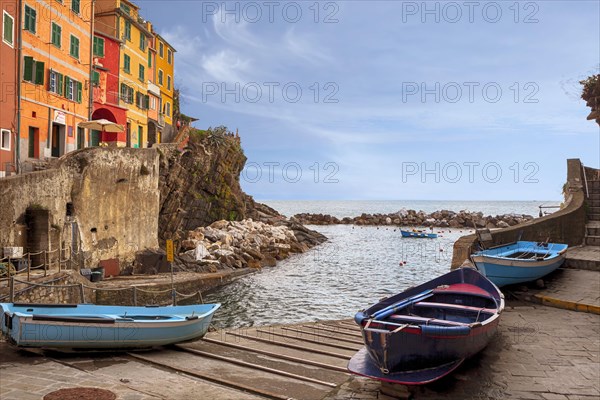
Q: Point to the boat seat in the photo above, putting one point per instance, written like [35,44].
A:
[454,307]
[425,321]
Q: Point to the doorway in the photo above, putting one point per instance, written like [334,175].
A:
[34,143]
[58,140]
[129,134]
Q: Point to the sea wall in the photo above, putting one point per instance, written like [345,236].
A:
[564,226]
[95,204]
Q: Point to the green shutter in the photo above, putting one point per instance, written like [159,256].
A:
[39,73]
[8,29]
[30,15]
[75,6]
[56,35]
[147,102]
[59,83]
[95,78]
[98,46]
[79,92]
[67,83]
[28,69]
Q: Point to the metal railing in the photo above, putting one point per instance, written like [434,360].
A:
[173,295]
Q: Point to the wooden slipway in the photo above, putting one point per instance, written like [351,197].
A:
[303,361]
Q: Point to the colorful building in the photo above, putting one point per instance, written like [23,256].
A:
[120,19]
[55,76]
[9,78]
[105,83]
[156,122]
[165,68]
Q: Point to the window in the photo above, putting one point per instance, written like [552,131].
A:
[169,56]
[161,50]
[30,14]
[127,32]
[152,103]
[33,71]
[73,89]
[149,59]
[168,109]
[141,100]
[126,93]
[125,8]
[141,73]
[142,41]
[56,83]
[5,139]
[74,50]
[75,6]
[160,77]
[96,78]
[168,82]
[56,35]
[98,46]
[126,63]
[8,32]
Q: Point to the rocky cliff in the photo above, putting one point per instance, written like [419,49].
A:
[200,185]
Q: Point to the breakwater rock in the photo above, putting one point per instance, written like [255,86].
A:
[441,219]
[243,244]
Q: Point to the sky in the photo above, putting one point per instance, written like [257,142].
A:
[386,100]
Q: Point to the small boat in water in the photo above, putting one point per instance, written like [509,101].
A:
[88,326]
[519,262]
[424,333]
[418,234]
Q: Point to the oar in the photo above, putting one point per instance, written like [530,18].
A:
[389,310]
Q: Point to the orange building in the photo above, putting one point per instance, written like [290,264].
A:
[121,19]
[9,12]
[55,76]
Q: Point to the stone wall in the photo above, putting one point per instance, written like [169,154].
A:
[102,203]
[52,295]
[564,226]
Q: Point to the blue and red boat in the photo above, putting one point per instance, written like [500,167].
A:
[424,333]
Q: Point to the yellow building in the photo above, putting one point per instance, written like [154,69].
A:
[121,19]
[164,71]
[55,76]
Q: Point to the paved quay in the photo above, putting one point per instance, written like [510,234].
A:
[541,353]
[571,289]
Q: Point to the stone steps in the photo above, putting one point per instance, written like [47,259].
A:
[594,217]
[583,257]
[592,240]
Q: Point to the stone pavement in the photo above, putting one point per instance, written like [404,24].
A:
[540,353]
[28,376]
[571,289]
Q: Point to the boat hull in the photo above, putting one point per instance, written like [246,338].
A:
[497,265]
[104,327]
[408,337]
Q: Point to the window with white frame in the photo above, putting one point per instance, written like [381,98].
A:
[4,139]
[8,30]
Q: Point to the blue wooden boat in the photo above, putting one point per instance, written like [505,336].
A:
[424,333]
[418,234]
[519,262]
[88,326]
